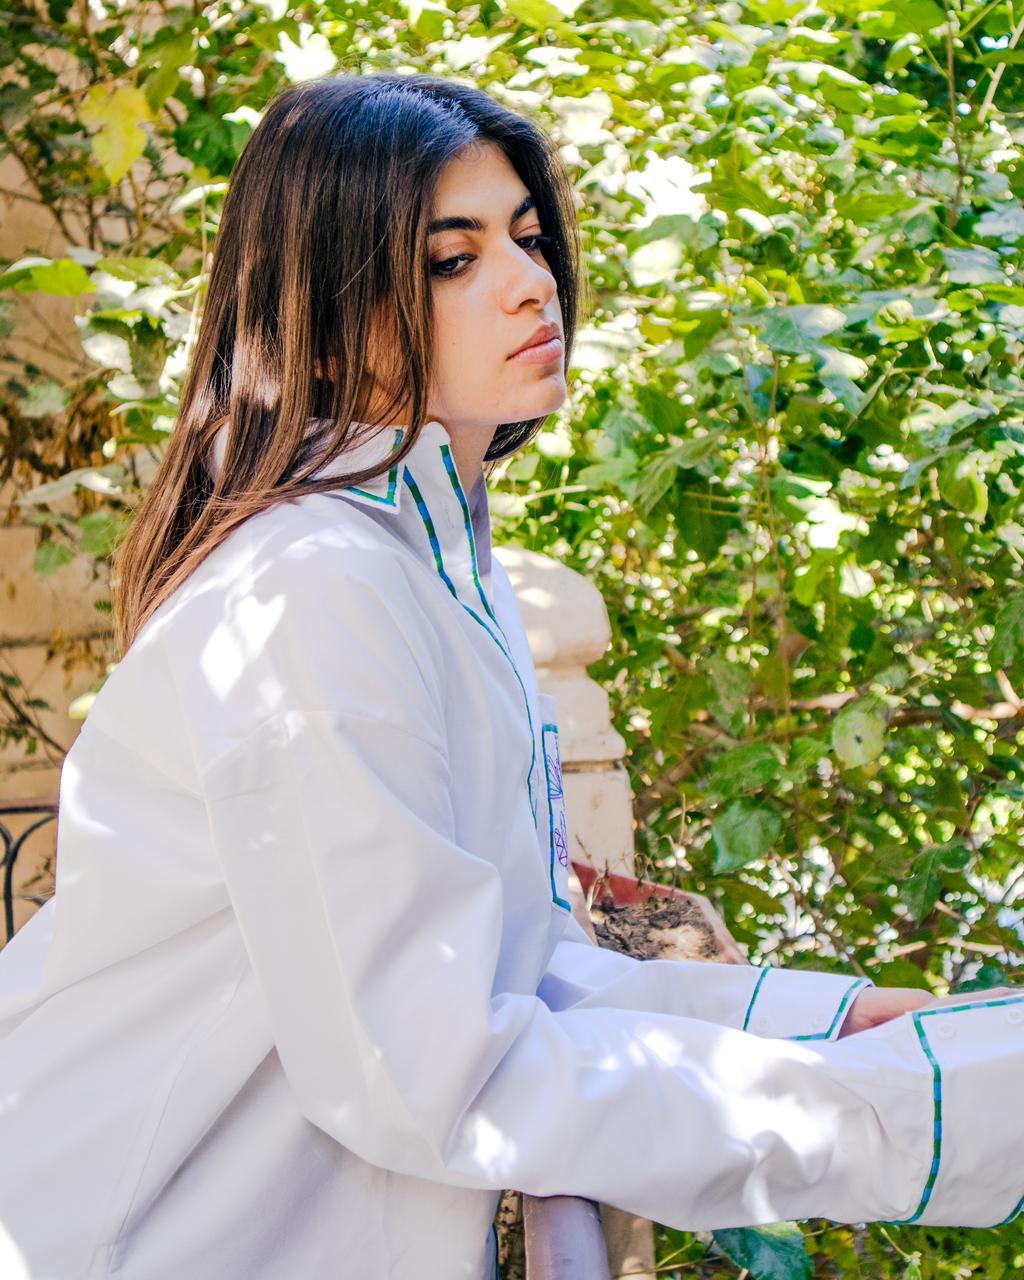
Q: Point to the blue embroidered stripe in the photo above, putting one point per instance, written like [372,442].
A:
[453,476]
[753,995]
[812,1035]
[554,792]
[840,1013]
[435,546]
[497,1260]
[933,1173]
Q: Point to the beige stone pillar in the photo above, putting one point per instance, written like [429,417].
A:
[567,626]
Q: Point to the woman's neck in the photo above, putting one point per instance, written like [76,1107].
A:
[468,450]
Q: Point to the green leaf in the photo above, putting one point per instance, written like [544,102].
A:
[732,187]
[920,889]
[656,479]
[987,975]
[1008,640]
[731,684]
[659,475]
[142,271]
[916,16]
[804,757]
[619,472]
[745,831]
[51,555]
[900,973]
[43,398]
[775,1252]
[973,266]
[962,484]
[737,893]
[798,330]
[100,533]
[162,81]
[41,275]
[745,768]
[700,522]
[535,13]
[1004,222]
[858,732]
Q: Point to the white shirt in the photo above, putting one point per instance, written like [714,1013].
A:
[310,995]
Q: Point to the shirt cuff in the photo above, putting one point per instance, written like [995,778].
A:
[974,1052]
[801,1004]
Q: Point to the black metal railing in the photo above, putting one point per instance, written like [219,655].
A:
[13,846]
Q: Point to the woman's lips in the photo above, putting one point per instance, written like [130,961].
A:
[542,353]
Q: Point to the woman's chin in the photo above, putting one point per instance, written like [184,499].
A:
[545,401]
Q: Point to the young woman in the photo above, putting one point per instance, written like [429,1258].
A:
[310,993]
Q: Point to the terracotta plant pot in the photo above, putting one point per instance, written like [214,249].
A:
[624,891]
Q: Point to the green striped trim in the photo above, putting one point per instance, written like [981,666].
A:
[753,995]
[497,1261]
[502,643]
[844,1005]
[460,493]
[851,994]
[933,1172]
[552,795]
[388,500]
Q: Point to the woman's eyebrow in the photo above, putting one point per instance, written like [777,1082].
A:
[474,224]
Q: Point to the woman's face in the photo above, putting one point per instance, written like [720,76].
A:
[492,289]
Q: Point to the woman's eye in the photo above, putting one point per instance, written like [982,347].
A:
[537,242]
[446,268]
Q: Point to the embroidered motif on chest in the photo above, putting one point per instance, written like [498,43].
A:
[556,795]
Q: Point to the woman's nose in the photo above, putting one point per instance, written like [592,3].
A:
[527,278]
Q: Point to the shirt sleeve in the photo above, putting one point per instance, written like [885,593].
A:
[798,1004]
[374,937]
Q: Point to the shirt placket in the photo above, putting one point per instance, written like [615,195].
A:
[446,515]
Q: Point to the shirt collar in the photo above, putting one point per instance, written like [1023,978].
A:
[435,491]
[371,447]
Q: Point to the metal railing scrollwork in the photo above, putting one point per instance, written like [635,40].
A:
[13,846]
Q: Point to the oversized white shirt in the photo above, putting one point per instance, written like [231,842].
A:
[310,993]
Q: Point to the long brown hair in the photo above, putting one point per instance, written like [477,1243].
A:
[320,266]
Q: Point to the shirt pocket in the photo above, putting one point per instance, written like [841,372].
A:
[555,835]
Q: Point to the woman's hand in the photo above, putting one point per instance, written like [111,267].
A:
[875,1005]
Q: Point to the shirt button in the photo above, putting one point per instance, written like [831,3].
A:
[760,1024]
[945,1030]
[1015,1015]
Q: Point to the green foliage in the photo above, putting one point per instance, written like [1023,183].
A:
[792,460]
[776,1252]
